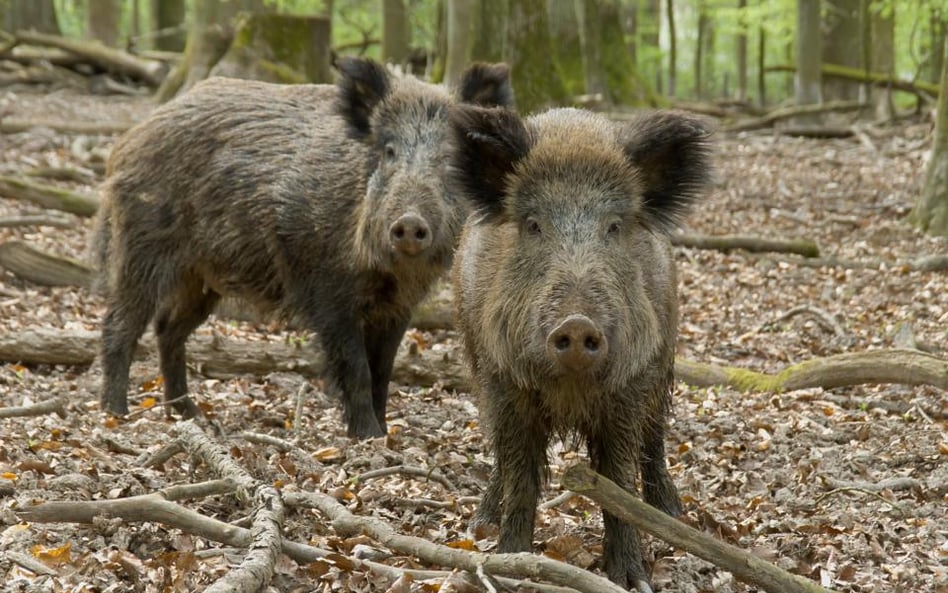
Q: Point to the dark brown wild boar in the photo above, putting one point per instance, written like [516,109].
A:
[340,220]
[567,300]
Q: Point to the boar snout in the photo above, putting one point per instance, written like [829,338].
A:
[410,234]
[577,344]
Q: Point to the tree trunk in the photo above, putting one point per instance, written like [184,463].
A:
[489,26]
[37,15]
[648,55]
[807,80]
[278,48]
[168,15]
[842,40]
[931,210]
[102,21]
[938,31]
[882,44]
[672,51]
[528,48]
[567,49]
[459,39]
[741,42]
[761,65]
[395,31]
[590,40]
[699,50]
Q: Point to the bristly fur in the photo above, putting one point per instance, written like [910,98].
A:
[488,144]
[680,144]
[363,84]
[486,85]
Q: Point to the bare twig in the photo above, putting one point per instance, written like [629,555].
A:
[409,470]
[521,564]
[36,220]
[29,563]
[875,494]
[557,500]
[886,484]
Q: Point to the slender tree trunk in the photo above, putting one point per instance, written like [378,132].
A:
[39,15]
[938,28]
[742,54]
[807,81]
[648,59]
[931,210]
[102,21]
[672,50]
[489,27]
[761,67]
[395,31]
[167,15]
[528,48]
[459,39]
[587,15]
[841,43]
[567,48]
[882,36]
[699,50]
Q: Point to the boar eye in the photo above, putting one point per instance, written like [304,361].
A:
[613,229]
[533,227]
[389,151]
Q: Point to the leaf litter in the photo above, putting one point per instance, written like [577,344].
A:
[787,476]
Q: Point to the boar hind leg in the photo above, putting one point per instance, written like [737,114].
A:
[490,509]
[348,369]
[178,316]
[622,549]
[129,310]
[381,346]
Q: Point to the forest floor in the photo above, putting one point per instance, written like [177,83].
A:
[792,477]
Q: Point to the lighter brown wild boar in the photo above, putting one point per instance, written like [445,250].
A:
[567,300]
[340,220]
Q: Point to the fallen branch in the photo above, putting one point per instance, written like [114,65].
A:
[803,247]
[48,196]
[225,358]
[917,87]
[519,565]
[43,268]
[16,126]
[107,58]
[746,567]
[36,220]
[429,474]
[790,112]
[56,404]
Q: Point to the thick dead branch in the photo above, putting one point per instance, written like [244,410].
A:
[48,196]
[744,566]
[522,565]
[221,358]
[266,537]
[56,404]
[107,58]
[43,268]
[790,112]
[803,247]
[15,126]
[886,484]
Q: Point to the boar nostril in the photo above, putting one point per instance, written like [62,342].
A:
[410,234]
[420,234]
[577,344]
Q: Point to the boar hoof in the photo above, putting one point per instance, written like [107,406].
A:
[577,344]
[410,234]
[365,430]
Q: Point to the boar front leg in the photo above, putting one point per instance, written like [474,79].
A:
[348,369]
[382,346]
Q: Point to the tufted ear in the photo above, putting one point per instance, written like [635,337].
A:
[362,84]
[486,85]
[672,153]
[488,142]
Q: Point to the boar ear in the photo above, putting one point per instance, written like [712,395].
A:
[362,84]
[487,145]
[672,153]
[486,85]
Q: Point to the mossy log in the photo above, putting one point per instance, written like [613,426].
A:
[217,357]
[858,75]
[17,125]
[48,196]
[41,268]
[746,567]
